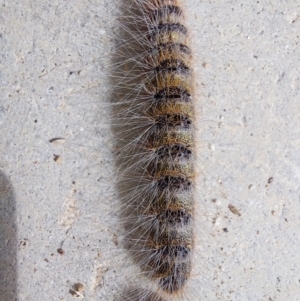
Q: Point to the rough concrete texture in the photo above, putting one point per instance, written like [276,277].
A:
[58,218]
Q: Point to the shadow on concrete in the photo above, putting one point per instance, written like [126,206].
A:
[8,241]
[127,77]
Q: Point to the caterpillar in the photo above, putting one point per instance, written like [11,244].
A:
[156,127]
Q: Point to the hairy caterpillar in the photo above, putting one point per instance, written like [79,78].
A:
[157,158]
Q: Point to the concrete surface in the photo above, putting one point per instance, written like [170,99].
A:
[58,217]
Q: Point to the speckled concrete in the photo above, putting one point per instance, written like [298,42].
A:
[57,212]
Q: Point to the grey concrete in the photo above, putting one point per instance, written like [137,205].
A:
[59,194]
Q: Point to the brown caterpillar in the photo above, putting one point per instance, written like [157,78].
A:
[157,178]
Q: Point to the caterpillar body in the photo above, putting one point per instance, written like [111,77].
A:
[157,159]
